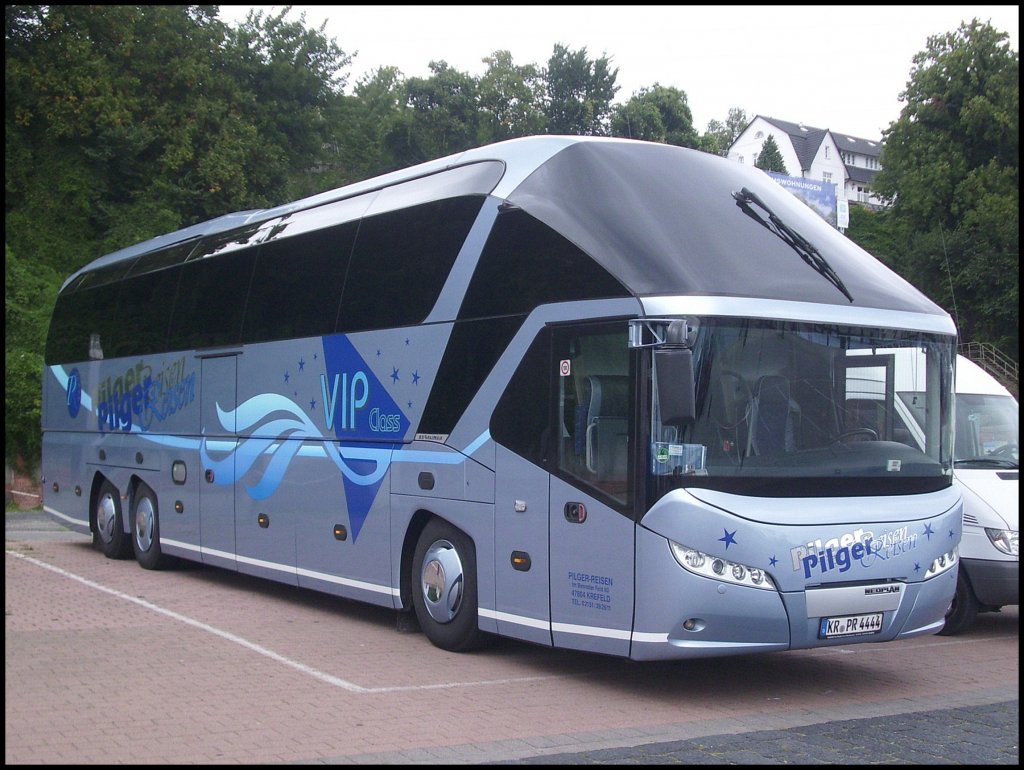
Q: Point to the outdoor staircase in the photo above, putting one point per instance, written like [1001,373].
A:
[999,365]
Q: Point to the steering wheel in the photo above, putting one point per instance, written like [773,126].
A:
[842,437]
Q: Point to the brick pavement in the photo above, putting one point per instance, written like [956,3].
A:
[105,662]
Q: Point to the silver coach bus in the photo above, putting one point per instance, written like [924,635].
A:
[589,393]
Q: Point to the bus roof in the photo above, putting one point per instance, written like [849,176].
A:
[663,220]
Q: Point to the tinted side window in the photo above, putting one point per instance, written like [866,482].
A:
[472,351]
[85,315]
[296,288]
[211,301]
[525,264]
[520,420]
[144,314]
[401,262]
[147,301]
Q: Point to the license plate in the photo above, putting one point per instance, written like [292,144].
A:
[850,625]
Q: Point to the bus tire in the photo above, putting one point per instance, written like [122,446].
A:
[146,530]
[109,535]
[964,608]
[444,592]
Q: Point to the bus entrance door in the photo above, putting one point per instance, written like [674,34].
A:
[590,532]
[591,572]
[218,444]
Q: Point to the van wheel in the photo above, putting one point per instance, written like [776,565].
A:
[146,530]
[109,535]
[444,591]
[964,609]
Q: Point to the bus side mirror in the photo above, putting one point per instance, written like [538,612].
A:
[674,367]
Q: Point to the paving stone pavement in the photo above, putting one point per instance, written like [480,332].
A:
[978,727]
[984,735]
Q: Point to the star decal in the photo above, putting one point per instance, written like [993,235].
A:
[394,374]
[729,538]
[773,561]
[928,530]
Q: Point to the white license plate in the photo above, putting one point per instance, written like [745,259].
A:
[850,625]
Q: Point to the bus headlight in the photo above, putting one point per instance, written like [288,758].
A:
[947,561]
[700,563]
[1004,539]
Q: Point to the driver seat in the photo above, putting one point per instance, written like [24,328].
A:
[774,417]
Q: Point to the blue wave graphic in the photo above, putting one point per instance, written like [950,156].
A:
[283,438]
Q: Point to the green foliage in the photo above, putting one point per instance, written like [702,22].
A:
[579,92]
[359,125]
[872,231]
[23,380]
[770,157]
[656,114]
[441,118]
[28,300]
[951,170]
[720,136]
[511,99]
[26,311]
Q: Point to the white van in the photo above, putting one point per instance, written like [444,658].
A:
[986,456]
[986,468]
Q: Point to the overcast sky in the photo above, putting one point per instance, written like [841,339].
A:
[840,67]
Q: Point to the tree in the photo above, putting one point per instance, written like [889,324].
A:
[511,99]
[361,123]
[441,116]
[579,92]
[770,157]
[288,77]
[951,172]
[656,114]
[720,136]
[126,122]
[29,289]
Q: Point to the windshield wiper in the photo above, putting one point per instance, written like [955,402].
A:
[996,461]
[801,245]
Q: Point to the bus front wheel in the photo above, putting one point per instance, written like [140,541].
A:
[146,530]
[444,592]
[109,535]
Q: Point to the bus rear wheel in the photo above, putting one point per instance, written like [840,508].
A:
[109,535]
[146,530]
[444,592]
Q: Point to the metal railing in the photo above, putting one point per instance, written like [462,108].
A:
[993,361]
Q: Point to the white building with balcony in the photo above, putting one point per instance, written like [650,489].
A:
[848,162]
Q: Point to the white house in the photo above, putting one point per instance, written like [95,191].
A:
[848,162]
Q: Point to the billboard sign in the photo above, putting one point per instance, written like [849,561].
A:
[820,196]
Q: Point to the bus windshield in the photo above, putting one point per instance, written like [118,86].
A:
[805,410]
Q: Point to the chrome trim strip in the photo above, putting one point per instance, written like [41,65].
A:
[785,310]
